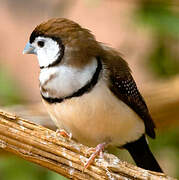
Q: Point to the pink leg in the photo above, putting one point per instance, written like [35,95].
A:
[63,133]
[97,151]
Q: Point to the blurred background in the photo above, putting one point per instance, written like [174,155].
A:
[146,32]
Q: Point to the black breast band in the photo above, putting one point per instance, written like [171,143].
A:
[85,89]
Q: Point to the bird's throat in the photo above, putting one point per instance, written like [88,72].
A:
[87,87]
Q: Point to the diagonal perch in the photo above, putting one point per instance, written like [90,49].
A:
[42,146]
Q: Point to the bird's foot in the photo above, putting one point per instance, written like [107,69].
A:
[63,133]
[96,151]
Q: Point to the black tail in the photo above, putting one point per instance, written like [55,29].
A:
[143,157]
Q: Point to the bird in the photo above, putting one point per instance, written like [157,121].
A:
[89,91]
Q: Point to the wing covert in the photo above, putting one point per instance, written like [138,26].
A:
[126,90]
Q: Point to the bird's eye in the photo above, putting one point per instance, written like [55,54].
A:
[41,44]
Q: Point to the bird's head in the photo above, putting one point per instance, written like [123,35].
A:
[61,40]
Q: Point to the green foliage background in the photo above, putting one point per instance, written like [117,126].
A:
[162,18]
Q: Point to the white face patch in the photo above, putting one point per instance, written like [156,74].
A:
[48,53]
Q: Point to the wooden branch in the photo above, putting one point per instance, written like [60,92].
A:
[163,101]
[42,146]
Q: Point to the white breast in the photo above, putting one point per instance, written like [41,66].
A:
[67,79]
[96,117]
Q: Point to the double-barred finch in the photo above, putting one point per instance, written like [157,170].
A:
[89,91]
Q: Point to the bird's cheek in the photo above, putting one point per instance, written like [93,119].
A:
[42,59]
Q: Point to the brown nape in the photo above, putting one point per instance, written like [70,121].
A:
[58,27]
[79,43]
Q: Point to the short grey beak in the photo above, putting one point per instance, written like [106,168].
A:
[29,49]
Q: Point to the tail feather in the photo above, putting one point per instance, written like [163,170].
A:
[143,157]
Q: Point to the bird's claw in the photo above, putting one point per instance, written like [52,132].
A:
[96,151]
[63,133]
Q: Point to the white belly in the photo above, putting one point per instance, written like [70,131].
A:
[96,117]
